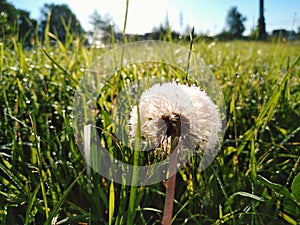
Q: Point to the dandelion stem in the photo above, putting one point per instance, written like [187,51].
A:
[170,189]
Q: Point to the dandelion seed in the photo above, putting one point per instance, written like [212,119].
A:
[163,105]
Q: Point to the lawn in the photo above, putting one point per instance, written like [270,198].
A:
[255,178]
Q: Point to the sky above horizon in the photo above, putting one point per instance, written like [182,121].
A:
[206,16]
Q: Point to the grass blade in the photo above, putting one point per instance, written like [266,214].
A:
[184,205]
[69,76]
[111,203]
[246,194]
[287,218]
[31,201]
[133,189]
[55,210]
[274,186]
[18,183]
[125,23]
[296,187]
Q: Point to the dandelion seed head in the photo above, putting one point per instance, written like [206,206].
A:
[164,107]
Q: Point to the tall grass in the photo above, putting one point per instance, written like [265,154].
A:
[252,181]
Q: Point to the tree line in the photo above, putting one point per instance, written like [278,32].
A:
[17,23]
[60,21]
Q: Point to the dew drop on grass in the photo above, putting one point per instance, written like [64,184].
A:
[259,52]
[13,68]
[47,66]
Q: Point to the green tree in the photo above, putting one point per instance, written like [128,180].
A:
[8,19]
[26,27]
[103,27]
[17,23]
[62,20]
[101,23]
[235,23]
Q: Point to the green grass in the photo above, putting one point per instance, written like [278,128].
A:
[253,180]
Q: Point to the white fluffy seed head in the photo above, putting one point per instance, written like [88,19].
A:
[163,103]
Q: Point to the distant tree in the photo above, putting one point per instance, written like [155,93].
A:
[16,22]
[8,18]
[103,27]
[62,20]
[101,23]
[27,27]
[164,31]
[235,23]
[159,32]
[261,26]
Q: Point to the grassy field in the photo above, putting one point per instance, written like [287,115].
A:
[254,179]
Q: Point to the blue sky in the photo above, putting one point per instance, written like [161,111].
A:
[207,16]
